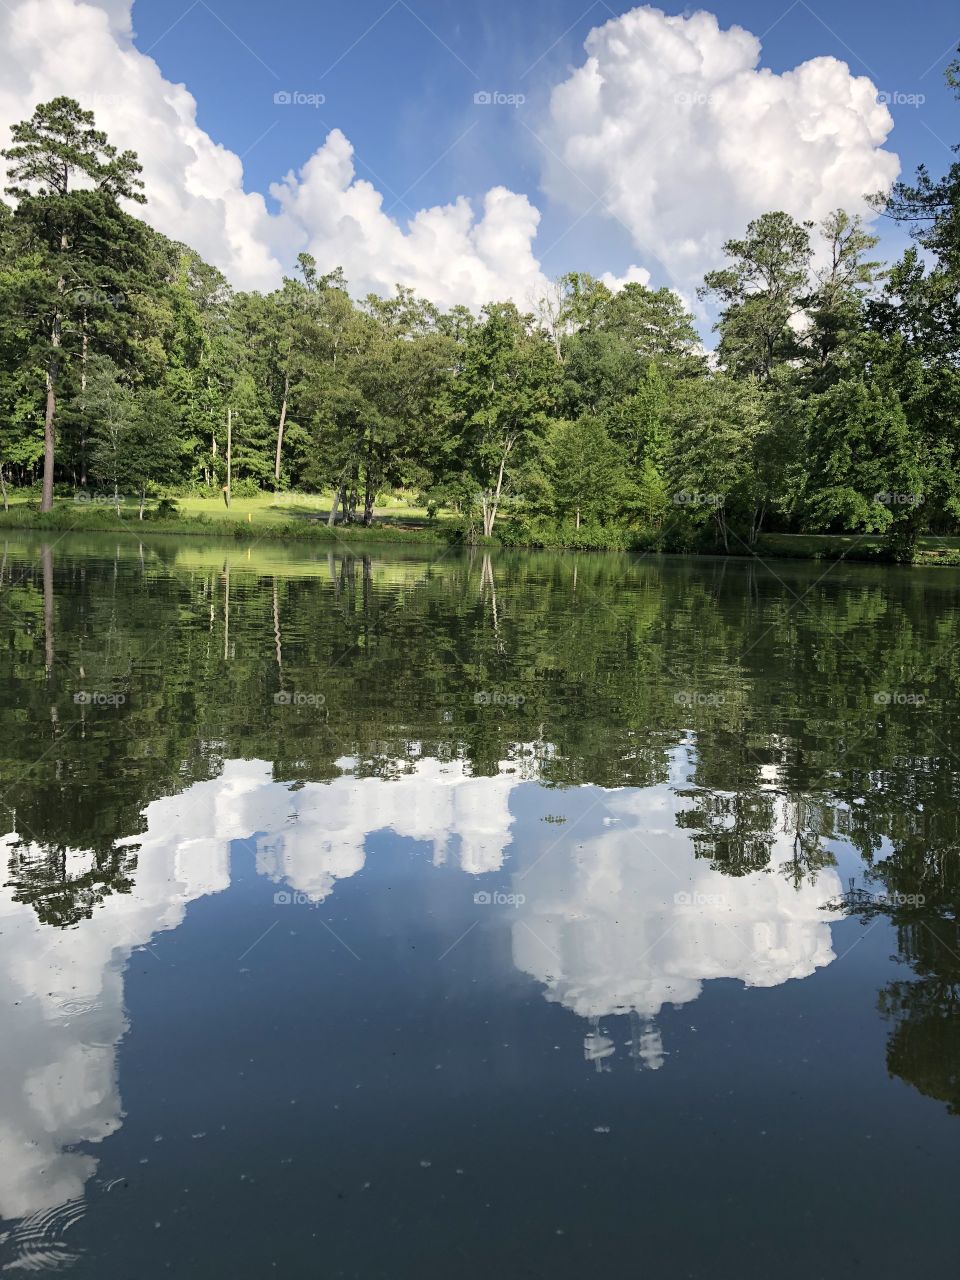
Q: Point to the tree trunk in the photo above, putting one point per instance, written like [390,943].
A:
[143,498]
[337,499]
[577,525]
[722,526]
[226,492]
[3,486]
[490,509]
[53,372]
[46,501]
[84,351]
[369,498]
[487,513]
[280,426]
[756,524]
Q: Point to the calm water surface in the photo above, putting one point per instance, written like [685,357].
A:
[413,915]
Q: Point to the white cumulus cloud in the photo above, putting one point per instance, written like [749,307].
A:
[195,185]
[446,253]
[632,275]
[686,138]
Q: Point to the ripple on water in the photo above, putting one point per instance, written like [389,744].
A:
[37,1241]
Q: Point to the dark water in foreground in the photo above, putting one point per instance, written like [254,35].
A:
[524,916]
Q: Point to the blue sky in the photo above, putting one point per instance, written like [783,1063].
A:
[635,163]
[399,81]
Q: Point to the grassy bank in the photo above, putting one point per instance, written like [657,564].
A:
[287,518]
[862,547]
[301,518]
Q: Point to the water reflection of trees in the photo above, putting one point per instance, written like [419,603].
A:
[924,1045]
[784,724]
[63,888]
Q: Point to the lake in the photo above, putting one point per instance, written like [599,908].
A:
[436,913]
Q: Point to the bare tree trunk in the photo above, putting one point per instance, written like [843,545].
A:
[3,486]
[282,423]
[490,514]
[143,498]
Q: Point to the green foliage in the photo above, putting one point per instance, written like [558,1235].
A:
[585,471]
[761,291]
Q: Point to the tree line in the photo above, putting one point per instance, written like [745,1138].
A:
[596,418]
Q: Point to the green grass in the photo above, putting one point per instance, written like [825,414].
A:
[289,517]
[282,508]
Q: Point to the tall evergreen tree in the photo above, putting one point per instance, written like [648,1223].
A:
[74,229]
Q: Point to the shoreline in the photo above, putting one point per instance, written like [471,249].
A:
[856,548]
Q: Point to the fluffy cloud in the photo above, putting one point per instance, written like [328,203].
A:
[50,47]
[446,253]
[632,275]
[673,123]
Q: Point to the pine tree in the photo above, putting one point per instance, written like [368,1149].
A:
[73,229]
